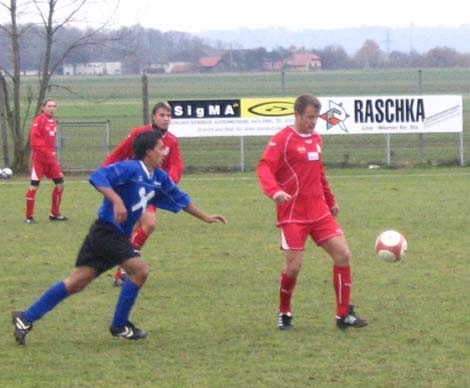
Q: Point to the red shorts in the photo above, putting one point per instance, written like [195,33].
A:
[42,166]
[294,235]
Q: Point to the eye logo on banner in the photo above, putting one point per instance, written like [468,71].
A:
[335,115]
[273,108]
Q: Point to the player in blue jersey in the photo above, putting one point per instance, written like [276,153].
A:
[127,188]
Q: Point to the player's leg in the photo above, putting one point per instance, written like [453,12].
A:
[338,250]
[293,237]
[137,273]
[140,233]
[144,228]
[55,172]
[36,174]
[31,201]
[75,282]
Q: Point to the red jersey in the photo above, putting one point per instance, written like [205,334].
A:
[172,162]
[292,162]
[42,134]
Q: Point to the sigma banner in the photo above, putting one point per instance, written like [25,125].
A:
[338,116]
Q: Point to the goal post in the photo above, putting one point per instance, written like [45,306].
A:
[82,145]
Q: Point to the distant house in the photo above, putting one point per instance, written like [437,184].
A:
[179,67]
[212,64]
[93,68]
[300,61]
[154,69]
[273,66]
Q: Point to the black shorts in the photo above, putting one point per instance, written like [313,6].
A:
[105,247]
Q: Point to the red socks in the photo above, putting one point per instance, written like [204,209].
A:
[285,292]
[138,238]
[342,285]
[30,200]
[56,199]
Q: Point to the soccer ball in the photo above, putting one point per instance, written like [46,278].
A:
[6,173]
[391,246]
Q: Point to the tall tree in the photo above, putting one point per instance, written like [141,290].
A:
[48,18]
[369,55]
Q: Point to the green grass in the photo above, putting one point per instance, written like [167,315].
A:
[210,302]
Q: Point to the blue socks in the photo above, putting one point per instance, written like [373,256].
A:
[58,292]
[126,300]
[46,302]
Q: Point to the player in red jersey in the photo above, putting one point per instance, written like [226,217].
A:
[44,161]
[291,172]
[172,164]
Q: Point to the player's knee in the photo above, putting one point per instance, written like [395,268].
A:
[342,257]
[141,275]
[75,285]
[293,268]
[138,271]
[59,182]
[149,223]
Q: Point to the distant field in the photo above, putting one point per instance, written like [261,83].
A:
[119,100]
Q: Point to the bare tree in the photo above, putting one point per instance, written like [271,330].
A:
[49,16]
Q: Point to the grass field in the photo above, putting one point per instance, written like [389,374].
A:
[210,302]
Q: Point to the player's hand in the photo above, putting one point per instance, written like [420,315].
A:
[334,210]
[281,197]
[120,212]
[215,218]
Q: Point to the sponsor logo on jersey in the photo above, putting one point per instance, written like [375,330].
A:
[313,156]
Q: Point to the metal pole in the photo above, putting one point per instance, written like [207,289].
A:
[462,160]
[283,83]
[242,154]
[421,136]
[59,142]
[108,136]
[388,149]
[145,99]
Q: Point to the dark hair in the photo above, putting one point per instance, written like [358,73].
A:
[305,100]
[159,105]
[143,142]
[45,101]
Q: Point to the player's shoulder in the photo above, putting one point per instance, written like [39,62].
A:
[134,132]
[171,135]
[130,164]
[284,133]
[317,137]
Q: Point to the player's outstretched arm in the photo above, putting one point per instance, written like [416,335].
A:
[209,218]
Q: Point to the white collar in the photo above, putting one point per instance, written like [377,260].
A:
[144,167]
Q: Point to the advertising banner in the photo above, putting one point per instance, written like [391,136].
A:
[338,116]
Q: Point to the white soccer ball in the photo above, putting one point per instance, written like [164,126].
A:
[5,173]
[391,246]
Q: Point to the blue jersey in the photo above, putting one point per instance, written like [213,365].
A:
[137,188]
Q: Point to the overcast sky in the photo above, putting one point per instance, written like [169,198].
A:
[204,15]
[201,15]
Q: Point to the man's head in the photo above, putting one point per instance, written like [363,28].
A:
[148,147]
[161,115]
[306,111]
[48,106]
